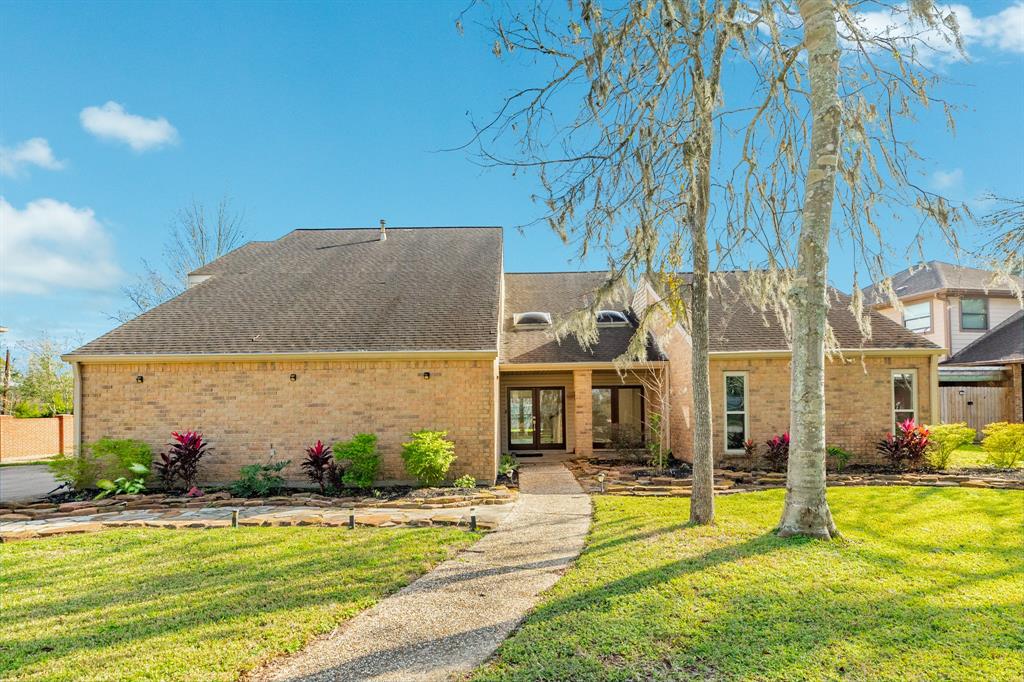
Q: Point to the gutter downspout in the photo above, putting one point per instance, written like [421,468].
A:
[76,368]
[933,386]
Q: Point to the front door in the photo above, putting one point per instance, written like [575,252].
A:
[536,418]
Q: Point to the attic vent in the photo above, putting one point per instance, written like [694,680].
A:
[532,319]
[611,317]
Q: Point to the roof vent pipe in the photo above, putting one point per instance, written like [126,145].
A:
[383,230]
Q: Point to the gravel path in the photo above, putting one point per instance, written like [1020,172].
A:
[452,619]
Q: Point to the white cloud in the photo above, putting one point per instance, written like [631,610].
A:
[943,180]
[1001,31]
[111,121]
[33,152]
[51,245]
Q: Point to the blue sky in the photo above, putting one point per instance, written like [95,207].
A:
[114,115]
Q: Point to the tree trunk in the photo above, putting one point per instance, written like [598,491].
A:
[806,510]
[702,500]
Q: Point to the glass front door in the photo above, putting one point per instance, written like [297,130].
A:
[536,418]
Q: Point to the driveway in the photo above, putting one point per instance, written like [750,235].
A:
[27,482]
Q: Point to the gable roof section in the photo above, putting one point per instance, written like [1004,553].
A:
[557,293]
[737,326]
[331,290]
[935,276]
[1003,343]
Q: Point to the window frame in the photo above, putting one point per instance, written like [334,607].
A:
[927,330]
[536,444]
[624,322]
[960,306]
[726,411]
[615,412]
[517,317]
[914,407]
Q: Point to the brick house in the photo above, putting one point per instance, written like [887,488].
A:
[326,333]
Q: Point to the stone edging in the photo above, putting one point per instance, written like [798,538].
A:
[621,480]
[487,519]
[47,510]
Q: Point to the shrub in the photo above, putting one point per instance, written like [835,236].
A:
[359,460]
[259,480]
[777,453]
[181,461]
[944,439]
[107,458]
[907,447]
[465,481]
[317,464]
[1004,444]
[508,466]
[428,455]
[124,485]
[840,456]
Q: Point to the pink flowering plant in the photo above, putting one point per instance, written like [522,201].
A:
[777,453]
[181,461]
[906,448]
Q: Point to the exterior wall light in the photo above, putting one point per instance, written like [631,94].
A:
[139,379]
[293,377]
[425,375]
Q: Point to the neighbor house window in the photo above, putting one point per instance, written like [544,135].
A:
[974,313]
[618,417]
[917,317]
[736,415]
[904,396]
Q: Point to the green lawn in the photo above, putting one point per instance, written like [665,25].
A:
[971,457]
[193,605]
[928,584]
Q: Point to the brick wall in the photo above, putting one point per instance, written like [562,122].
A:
[29,439]
[858,402]
[244,407]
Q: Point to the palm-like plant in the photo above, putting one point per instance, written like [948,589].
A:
[317,464]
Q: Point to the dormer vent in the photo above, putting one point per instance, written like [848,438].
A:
[383,230]
[532,319]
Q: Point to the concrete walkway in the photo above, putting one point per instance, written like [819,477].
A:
[452,619]
[25,483]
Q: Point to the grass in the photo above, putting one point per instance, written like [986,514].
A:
[971,457]
[927,584]
[193,605]
[34,462]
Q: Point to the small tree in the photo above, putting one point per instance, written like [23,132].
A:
[944,441]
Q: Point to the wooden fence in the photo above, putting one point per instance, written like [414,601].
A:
[976,405]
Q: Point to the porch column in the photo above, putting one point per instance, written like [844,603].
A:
[583,414]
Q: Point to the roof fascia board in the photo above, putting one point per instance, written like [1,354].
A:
[282,357]
[868,352]
[568,366]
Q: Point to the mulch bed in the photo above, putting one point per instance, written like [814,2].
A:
[632,479]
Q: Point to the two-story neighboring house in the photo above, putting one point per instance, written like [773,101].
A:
[958,307]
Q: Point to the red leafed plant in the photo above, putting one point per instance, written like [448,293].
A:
[181,461]
[906,447]
[317,464]
[777,453]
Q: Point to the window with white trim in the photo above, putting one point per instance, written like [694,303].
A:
[904,396]
[736,415]
[917,317]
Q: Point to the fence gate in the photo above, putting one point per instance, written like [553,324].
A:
[976,405]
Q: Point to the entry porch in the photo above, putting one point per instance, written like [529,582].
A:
[560,412]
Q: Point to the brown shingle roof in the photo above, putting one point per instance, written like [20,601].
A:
[1004,343]
[555,293]
[332,290]
[937,275]
[736,325]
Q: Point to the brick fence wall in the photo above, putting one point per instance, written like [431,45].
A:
[245,407]
[28,439]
